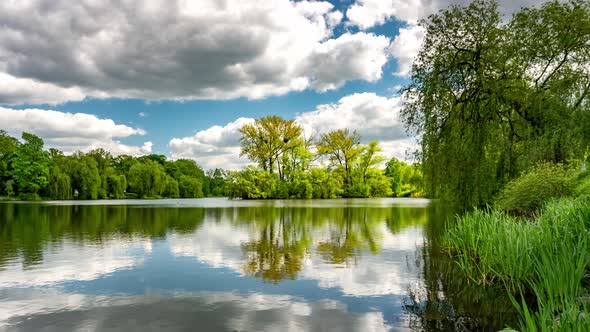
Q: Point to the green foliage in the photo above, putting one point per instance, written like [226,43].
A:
[583,184]
[324,184]
[527,193]
[59,185]
[353,170]
[406,180]
[30,166]
[8,146]
[343,148]
[379,183]
[117,185]
[30,172]
[267,139]
[190,187]
[9,188]
[548,257]
[147,179]
[171,188]
[491,97]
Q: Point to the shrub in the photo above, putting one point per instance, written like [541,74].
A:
[527,193]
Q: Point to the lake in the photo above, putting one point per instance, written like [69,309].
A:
[232,265]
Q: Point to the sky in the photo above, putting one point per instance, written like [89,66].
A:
[180,77]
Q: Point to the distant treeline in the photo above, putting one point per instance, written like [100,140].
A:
[28,171]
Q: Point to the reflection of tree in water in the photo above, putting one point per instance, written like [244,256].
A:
[28,229]
[352,233]
[445,301]
[285,237]
[280,250]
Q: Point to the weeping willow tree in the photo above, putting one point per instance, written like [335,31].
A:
[490,98]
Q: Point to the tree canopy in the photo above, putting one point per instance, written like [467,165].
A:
[491,98]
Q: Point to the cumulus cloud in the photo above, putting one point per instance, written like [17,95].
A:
[376,117]
[366,14]
[349,57]
[405,47]
[15,90]
[71,132]
[213,147]
[176,49]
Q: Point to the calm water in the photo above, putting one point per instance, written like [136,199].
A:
[220,265]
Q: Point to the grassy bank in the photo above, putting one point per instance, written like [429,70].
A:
[541,262]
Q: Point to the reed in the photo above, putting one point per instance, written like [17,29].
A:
[547,257]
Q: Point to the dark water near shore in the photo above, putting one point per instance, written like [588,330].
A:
[220,265]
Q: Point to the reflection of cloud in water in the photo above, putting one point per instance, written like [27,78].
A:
[216,244]
[220,245]
[69,261]
[53,311]
[371,275]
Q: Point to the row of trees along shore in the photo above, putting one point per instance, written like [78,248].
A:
[27,171]
[287,169]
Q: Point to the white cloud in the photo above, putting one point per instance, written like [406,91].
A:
[369,13]
[32,309]
[64,264]
[349,57]
[376,117]
[71,132]
[15,90]
[405,48]
[177,49]
[214,147]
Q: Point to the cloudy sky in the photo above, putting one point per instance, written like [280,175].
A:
[179,77]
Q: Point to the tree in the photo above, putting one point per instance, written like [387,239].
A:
[147,178]
[489,99]
[59,184]
[343,148]
[171,188]
[30,165]
[265,141]
[190,187]
[369,158]
[393,170]
[8,146]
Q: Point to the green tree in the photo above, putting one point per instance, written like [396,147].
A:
[369,158]
[8,146]
[190,187]
[265,141]
[147,179]
[490,98]
[343,148]
[393,170]
[59,184]
[30,165]
[171,188]
[117,186]
[9,188]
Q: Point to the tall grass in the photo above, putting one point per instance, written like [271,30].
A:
[543,262]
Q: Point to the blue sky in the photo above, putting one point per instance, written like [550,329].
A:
[175,77]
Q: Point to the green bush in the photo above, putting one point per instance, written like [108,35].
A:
[527,193]
[583,184]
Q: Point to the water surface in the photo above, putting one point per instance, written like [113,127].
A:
[231,265]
